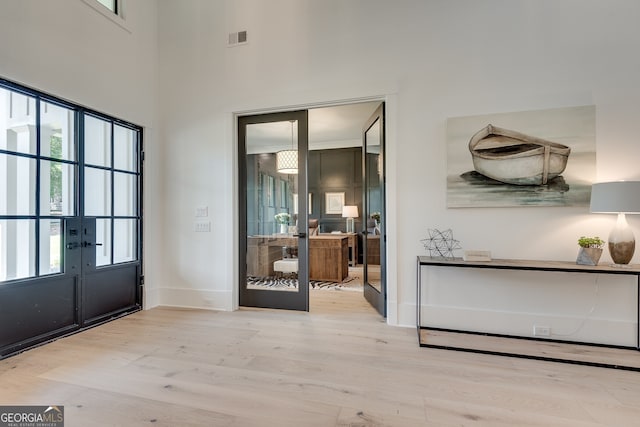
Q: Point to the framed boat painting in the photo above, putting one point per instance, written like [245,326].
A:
[528,158]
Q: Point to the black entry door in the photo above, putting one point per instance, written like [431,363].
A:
[111,218]
[107,290]
[35,310]
[70,218]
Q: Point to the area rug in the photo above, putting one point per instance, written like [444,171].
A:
[291,284]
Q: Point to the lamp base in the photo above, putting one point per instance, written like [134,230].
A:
[622,243]
[622,252]
[351,228]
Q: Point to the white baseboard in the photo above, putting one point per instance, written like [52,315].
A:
[195,298]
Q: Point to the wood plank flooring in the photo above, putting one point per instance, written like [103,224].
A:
[339,365]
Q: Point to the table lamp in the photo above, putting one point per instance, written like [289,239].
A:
[350,212]
[620,197]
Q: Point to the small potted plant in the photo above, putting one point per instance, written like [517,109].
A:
[590,250]
[283,219]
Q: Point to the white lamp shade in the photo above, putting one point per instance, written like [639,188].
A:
[349,211]
[287,161]
[616,197]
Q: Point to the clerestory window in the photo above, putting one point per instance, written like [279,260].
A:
[112,5]
[113,10]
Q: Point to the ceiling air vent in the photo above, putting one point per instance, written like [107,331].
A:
[236,39]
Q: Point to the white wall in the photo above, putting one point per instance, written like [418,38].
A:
[172,73]
[433,60]
[68,49]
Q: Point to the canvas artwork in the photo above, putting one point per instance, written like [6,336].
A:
[528,158]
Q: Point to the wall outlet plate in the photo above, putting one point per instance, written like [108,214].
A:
[202,226]
[541,331]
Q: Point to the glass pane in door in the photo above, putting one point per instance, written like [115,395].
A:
[57,130]
[17,122]
[124,240]
[17,185]
[17,249]
[97,192]
[97,143]
[57,188]
[125,194]
[125,149]
[50,246]
[272,182]
[374,199]
[103,242]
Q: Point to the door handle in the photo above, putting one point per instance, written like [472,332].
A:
[73,245]
[301,235]
[88,244]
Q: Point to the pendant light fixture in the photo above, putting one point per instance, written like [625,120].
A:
[287,160]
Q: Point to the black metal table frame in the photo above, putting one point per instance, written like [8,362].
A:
[533,266]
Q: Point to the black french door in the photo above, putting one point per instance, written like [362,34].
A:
[274,270]
[374,234]
[70,218]
[274,206]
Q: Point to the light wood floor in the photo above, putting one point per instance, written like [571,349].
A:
[339,365]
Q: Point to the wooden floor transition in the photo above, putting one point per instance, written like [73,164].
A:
[339,365]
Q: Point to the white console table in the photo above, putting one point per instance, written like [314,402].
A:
[630,361]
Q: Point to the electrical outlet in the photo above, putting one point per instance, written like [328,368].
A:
[541,331]
[202,227]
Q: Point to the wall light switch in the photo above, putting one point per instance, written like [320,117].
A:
[203,226]
[202,212]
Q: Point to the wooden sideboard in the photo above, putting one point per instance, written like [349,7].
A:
[328,255]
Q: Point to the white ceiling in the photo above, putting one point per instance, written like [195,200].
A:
[329,127]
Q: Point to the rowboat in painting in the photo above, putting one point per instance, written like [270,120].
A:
[515,158]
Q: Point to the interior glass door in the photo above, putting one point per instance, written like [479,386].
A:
[374,218]
[273,220]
